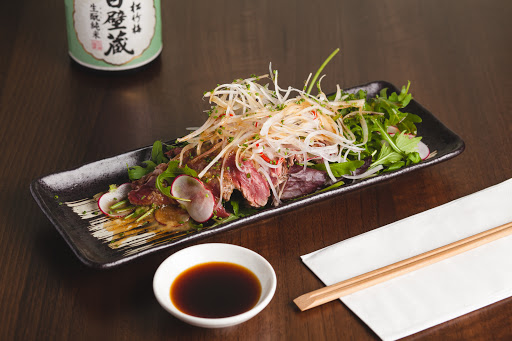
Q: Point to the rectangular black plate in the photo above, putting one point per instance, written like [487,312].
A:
[92,178]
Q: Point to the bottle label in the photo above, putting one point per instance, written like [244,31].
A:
[114,34]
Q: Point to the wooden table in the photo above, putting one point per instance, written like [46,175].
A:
[55,116]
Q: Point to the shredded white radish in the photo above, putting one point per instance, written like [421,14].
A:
[366,174]
[272,128]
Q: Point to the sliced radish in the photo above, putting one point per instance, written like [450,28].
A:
[423,150]
[199,200]
[112,197]
[392,130]
[171,216]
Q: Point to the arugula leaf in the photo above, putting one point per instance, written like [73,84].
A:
[157,153]
[404,98]
[386,156]
[408,123]
[394,166]
[386,136]
[240,210]
[245,211]
[172,171]
[157,157]
[339,169]
[236,205]
[395,149]
[413,158]
[391,105]
[137,172]
[394,100]
[406,144]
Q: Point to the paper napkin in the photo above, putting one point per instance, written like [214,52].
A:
[439,292]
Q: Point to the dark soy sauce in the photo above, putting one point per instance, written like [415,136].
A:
[215,290]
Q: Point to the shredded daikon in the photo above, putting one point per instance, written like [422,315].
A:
[274,129]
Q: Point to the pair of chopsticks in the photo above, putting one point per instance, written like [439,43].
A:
[335,291]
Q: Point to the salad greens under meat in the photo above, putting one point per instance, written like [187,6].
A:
[262,144]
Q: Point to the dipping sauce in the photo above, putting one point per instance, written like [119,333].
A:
[215,290]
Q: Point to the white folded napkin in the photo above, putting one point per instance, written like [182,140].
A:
[439,292]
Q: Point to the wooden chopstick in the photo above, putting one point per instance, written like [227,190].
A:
[335,291]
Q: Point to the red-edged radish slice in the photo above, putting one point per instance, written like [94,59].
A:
[112,197]
[423,150]
[201,200]
[392,130]
[171,216]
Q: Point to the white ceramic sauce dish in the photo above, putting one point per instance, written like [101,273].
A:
[182,260]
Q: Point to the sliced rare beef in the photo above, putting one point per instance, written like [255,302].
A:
[302,181]
[249,181]
[279,175]
[220,211]
[173,152]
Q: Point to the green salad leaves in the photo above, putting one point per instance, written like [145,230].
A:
[157,157]
[381,115]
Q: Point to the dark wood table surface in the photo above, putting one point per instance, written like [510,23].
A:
[56,116]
